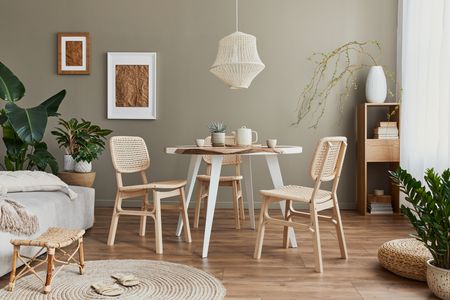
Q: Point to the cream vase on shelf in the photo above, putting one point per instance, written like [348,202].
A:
[376,86]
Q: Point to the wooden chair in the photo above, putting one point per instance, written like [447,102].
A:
[129,155]
[233,181]
[326,166]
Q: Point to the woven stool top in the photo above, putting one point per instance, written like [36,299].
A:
[54,237]
[407,247]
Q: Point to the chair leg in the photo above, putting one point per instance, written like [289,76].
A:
[143,221]
[287,217]
[184,215]
[241,201]
[261,229]
[81,256]
[12,276]
[158,225]
[50,268]
[316,239]
[114,222]
[198,203]
[340,230]
[237,223]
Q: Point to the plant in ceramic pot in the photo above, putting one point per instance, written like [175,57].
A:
[82,140]
[429,213]
[217,130]
[24,128]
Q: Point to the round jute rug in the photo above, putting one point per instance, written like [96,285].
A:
[159,280]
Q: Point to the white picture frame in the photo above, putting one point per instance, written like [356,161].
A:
[145,61]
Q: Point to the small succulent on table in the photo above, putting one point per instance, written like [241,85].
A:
[217,130]
[82,140]
[429,214]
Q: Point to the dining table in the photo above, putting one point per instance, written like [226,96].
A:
[216,155]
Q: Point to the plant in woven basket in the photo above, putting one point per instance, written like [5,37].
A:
[217,130]
[333,69]
[429,212]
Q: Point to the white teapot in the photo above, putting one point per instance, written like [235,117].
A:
[244,136]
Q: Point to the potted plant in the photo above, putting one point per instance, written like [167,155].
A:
[430,215]
[82,141]
[24,128]
[217,130]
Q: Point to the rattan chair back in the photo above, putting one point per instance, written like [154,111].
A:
[129,154]
[328,159]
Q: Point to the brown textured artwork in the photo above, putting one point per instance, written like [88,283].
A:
[74,53]
[132,85]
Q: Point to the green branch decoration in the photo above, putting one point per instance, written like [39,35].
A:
[331,69]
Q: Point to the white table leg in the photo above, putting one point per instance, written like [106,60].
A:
[248,181]
[277,180]
[194,166]
[216,166]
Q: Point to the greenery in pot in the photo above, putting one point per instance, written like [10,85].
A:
[81,139]
[217,130]
[217,127]
[24,128]
[429,212]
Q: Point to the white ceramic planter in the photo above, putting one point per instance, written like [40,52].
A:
[69,163]
[438,281]
[218,139]
[83,167]
[376,86]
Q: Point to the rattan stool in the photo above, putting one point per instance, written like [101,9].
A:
[405,257]
[53,239]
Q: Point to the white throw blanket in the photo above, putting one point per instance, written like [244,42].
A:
[15,219]
[32,181]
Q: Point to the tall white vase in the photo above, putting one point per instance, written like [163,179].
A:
[69,163]
[376,86]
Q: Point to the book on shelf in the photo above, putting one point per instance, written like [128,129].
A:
[387,124]
[386,130]
[380,208]
[385,137]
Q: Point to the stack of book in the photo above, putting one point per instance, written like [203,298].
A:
[386,130]
[381,205]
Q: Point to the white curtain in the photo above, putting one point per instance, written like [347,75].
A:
[424,73]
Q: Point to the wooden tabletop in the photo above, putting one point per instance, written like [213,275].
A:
[233,150]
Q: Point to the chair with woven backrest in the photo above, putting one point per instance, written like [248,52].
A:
[233,181]
[326,166]
[129,155]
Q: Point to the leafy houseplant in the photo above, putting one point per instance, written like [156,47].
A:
[24,128]
[430,215]
[81,140]
[217,130]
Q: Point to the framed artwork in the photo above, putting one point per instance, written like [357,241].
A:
[131,85]
[74,51]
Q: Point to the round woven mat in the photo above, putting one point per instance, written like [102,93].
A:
[159,280]
[405,257]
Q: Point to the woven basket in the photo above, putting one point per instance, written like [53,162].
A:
[405,257]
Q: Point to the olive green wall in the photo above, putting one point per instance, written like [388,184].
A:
[185,34]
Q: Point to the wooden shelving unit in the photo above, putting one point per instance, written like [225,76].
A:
[375,151]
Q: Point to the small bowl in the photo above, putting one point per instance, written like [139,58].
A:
[200,142]
[378,192]
[271,143]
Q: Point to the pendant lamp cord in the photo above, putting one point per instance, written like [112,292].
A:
[237,15]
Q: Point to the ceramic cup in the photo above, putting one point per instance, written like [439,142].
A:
[200,142]
[271,143]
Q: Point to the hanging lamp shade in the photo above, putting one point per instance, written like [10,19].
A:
[237,62]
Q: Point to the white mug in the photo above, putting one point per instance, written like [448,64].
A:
[244,136]
[200,142]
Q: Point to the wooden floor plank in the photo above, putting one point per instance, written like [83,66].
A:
[281,273]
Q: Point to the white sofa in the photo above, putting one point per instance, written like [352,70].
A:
[53,209]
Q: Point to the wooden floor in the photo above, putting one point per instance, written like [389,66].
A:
[281,273]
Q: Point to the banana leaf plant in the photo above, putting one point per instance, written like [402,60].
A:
[24,128]
[429,212]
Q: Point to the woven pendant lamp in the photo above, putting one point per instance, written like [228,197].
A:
[237,62]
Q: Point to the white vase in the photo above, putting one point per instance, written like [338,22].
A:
[438,280]
[218,139]
[69,163]
[376,86]
[83,167]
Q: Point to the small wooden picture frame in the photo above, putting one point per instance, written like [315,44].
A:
[74,53]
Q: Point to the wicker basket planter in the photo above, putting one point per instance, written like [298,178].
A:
[405,257]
